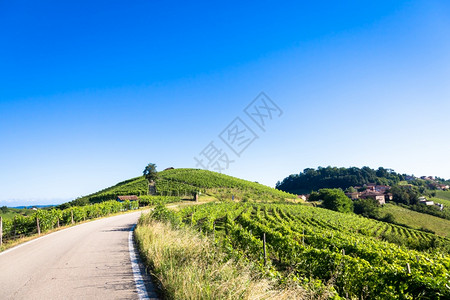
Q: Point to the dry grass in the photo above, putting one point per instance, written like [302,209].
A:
[189,266]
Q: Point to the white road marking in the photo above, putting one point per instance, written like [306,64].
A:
[140,286]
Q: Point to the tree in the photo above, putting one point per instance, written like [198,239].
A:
[368,208]
[150,172]
[350,190]
[335,199]
[408,195]
[4,209]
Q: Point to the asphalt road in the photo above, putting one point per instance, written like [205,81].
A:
[88,261]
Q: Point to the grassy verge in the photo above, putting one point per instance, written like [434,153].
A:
[188,265]
[418,220]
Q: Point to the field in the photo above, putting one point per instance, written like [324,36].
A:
[443,195]
[443,201]
[12,212]
[186,181]
[358,257]
[418,220]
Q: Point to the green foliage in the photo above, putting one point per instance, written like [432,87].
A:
[443,195]
[152,200]
[367,207]
[186,181]
[408,195]
[4,209]
[135,186]
[49,219]
[150,172]
[334,199]
[181,182]
[332,177]
[417,220]
[344,250]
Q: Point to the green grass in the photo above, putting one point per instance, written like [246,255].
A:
[442,201]
[12,212]
[443,195]
[418,220]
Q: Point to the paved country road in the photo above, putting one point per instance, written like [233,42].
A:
[88,261]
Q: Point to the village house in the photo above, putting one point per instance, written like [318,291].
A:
[378,196]
[353,195]
[303,197]
[443,187]
[423,200]
[130,198]
[374,191]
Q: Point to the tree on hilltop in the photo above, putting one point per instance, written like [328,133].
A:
[150,172]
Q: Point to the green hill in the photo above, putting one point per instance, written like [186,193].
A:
[183,182]
[333,177]
[134,186]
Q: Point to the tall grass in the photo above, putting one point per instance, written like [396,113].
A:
[189,266]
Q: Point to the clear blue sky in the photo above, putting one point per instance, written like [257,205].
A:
[91,91]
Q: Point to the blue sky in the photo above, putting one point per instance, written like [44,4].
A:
[91,91]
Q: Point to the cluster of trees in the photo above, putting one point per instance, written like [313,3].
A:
[333,177]
[408,195]
[334,199]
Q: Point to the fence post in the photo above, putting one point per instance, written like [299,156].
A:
[409,268]
[38,227]
[71,213]
[264,247]
[1,231]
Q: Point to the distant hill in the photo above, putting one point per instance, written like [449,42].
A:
[31,206]
[333,177]
[183,182]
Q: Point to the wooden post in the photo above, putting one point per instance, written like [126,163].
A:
[264,247]
[1,231]
[409,268]
[58,223]
[303,237]
[71,214]
[343,251]
[38,227]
